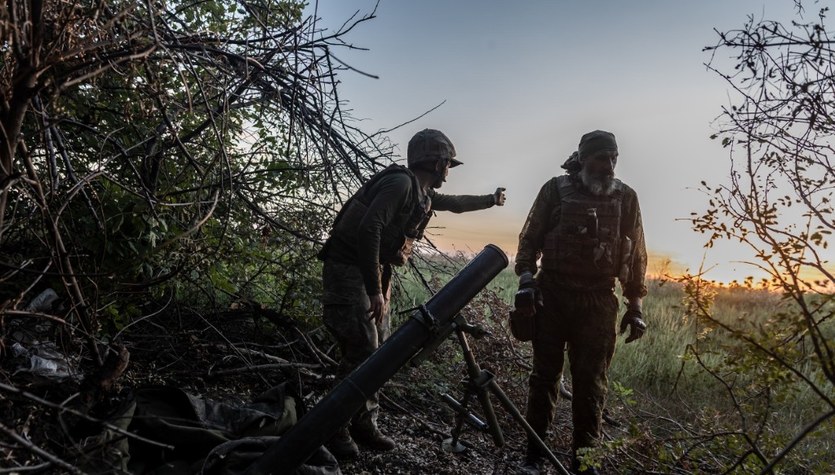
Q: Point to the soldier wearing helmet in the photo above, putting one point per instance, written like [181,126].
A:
[585,231]
[375,230]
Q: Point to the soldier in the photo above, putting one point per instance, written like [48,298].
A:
[586,228]
[375,229]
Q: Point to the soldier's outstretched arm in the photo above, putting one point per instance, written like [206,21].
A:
[464,203]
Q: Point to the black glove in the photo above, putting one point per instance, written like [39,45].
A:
[526,281]
[528,297]
[633,318]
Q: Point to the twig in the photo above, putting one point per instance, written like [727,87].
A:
[798,438]
[247,369]
[319,354]
[52,405]
[30,468]
[53,459]
[247,351]
[414,416]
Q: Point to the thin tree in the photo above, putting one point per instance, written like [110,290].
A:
[779,132]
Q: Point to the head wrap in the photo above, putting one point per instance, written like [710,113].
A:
[596,141]
[572,164]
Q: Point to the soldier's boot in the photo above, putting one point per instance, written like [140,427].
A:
[533,462]
[342,446]
[531,466]
[366,433]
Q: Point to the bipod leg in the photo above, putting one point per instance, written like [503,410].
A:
[479,381]
[508,405]
[462,416]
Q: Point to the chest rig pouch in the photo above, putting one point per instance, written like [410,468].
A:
[421,214]
[398,237]
[585,236]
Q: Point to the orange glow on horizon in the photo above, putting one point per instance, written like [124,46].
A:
[471,241]
[468,233]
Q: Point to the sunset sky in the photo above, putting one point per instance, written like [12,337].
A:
[520,82]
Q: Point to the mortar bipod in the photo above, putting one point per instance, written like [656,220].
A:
[478,382]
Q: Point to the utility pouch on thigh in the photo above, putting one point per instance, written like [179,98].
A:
[522,326]
[404,252]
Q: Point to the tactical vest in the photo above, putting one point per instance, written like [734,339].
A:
[396,242]
[585,238]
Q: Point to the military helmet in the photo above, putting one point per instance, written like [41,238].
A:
[430,145]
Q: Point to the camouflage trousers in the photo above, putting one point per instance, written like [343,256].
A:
[345,316]
[584,322]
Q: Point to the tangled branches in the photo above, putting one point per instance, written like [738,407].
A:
[143,141]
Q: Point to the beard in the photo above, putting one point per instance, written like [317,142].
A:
[440,179]
[598,185]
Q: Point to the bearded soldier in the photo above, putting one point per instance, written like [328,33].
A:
[377,228]
[585,226]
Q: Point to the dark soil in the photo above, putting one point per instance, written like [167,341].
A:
[233,357]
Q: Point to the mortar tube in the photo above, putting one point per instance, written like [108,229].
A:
[337,407]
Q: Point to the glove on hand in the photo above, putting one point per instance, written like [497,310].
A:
[499,196]
[528,297]
[633,319]
[526,281]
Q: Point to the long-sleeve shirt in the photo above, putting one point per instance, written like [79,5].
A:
[543,217]
[391,200]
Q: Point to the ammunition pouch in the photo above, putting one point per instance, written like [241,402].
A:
[397,239]
[415,225]
[585,238]
[522,319]
[402,256]
[625,259]
[522,325]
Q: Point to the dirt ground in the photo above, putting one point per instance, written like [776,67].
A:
[233,357]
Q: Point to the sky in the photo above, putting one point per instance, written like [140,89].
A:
[519,83]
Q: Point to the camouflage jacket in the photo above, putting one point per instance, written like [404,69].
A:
[543,217]
[390,203]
